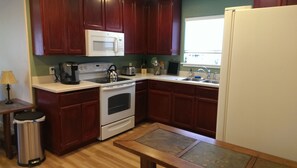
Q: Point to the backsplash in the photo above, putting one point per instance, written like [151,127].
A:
[40,64]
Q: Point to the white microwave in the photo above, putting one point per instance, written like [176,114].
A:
[104,43]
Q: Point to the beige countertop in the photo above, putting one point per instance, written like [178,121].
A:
[47,83]
[170,78]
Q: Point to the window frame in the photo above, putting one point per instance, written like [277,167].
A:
[187,64]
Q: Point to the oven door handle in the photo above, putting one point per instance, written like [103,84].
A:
[115,87]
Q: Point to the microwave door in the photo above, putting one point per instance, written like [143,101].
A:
[101,43]
[103,46]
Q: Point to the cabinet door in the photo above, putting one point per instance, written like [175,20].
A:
[164,37]
[114,15]
[140,106]
[129,25]
[183,110]
[54,26]
[159,106]
[94,14]
[183,104]
[75,30]
[164,27]
[141,27]
[206,117]
[267,3]
[90,120]
[289,2]
[71,128]
[206,111]
[152,31]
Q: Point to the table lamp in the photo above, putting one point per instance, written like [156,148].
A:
[7,78]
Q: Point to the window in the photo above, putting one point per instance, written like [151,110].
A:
[203,41]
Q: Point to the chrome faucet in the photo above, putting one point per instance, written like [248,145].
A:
[205,70]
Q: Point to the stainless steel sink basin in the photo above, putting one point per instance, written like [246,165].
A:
[192,79]
[201,80]
[211,81]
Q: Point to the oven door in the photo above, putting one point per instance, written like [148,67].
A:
[116,102]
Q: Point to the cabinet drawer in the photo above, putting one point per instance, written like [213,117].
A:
[141,85]
[79,96]
[184,89]
[206,92]
[162,86]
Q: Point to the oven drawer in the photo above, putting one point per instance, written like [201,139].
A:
[78,97]
[117,127]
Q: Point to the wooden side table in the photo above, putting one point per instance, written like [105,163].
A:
[5,110]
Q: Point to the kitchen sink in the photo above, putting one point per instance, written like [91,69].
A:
[211,81]
[192,79]
[201,80]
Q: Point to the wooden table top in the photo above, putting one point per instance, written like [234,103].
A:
[173,154]
[18,105]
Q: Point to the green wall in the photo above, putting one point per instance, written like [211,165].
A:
[190,8]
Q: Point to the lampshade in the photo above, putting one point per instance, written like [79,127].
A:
[7,77]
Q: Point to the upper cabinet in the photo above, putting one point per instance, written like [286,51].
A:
[164,27]
[135,26]
[94,16]
[152,26]
[103,15]
[57,27]
[270,3]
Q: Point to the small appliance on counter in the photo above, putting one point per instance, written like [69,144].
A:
[69,73]
[112,73]
[128,71]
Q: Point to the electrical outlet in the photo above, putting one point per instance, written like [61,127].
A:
[51,70]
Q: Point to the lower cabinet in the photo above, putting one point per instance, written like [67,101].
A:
[183,106]
[190,107]
[141,101]
[72,118]
[205,116]
[159,99]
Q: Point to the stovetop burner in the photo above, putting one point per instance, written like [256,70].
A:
[107,80]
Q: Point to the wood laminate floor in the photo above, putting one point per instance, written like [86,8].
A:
[96,155]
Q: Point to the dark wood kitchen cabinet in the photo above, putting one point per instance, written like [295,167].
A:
[164,27]
[135,26]
[141,101]
[205,116]
[72,118]
[103,15]
[57,27]
[289,2]
[189,107]
[159,99]
[271,3]
[183,106]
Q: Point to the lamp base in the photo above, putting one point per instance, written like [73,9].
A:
[8,95]
[9,102]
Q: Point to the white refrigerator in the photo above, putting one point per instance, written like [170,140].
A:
[258,87]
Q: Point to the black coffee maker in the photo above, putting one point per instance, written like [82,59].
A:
[69,73]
